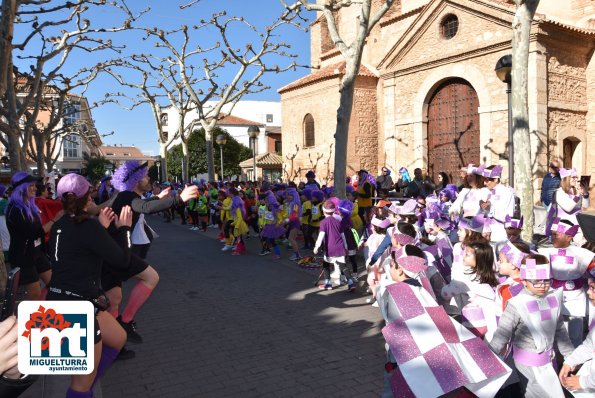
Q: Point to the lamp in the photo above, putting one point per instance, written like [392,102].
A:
[158,164]
[221,140]
[253,132]
[108,169]
[503,71]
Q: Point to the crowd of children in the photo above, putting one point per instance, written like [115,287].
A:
[530,306]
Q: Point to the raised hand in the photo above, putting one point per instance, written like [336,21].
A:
[125,218]
[8,348]
[164,193]
[189,192]
[106,216]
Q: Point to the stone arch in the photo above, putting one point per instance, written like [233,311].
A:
[309,131]
[438,76]
[572,153]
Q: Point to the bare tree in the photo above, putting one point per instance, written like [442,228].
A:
[158,83]
[54,31]
[523,182]
[246,63]
[352,54]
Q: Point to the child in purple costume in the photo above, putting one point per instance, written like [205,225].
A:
[335,246]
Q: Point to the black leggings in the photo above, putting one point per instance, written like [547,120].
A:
[309,235]
[353,262]
[227,228]
[194,216]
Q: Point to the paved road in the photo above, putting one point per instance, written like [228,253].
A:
[245,326]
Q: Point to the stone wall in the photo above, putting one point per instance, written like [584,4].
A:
[322,101]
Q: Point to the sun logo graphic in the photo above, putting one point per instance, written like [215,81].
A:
[56,337]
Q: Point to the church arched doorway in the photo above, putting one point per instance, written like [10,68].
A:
[453,128]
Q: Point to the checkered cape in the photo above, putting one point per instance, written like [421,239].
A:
[435,354]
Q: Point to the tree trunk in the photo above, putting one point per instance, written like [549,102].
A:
[39,156]
[523,182]
[163,154]
[9,9]
[210,155]
[18,160]
[184,160]
[342,130]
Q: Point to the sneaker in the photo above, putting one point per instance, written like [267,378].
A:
[276,257]
[351,286]
[222,240]
[343,280]
[234,247]
[130,328]
[265,252]
[125,354]
[354,277]
[326,286]
[227,248]
[295,257]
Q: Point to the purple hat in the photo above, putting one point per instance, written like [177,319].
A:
[570,230]
[403,239]
[380,223]
[476,223]
[318,195]
[443,223]
[512,254]
[534,271]
[408,207]
[129,174]
[307,193]
[328,191]
[394,208]
[412,265]
[73,183]
[568,172]
[495,172]
[346,207]
[516,223]
[473,169]
[23,178]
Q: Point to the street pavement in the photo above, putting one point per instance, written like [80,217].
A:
[245,326]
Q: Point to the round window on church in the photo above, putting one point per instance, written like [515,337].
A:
[449,26]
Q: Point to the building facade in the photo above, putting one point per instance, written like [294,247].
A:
[265,115]
[427,95]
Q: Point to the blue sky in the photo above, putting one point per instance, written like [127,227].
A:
[137,127]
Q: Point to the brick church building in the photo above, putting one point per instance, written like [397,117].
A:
[427,94]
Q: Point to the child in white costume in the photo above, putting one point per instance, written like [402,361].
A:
[531,323]
[583,384]
[429,354]
[569,265]
[497,201]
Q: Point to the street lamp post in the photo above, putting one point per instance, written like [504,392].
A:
[158,164]
[503,69]
[253,132]
[221,140]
